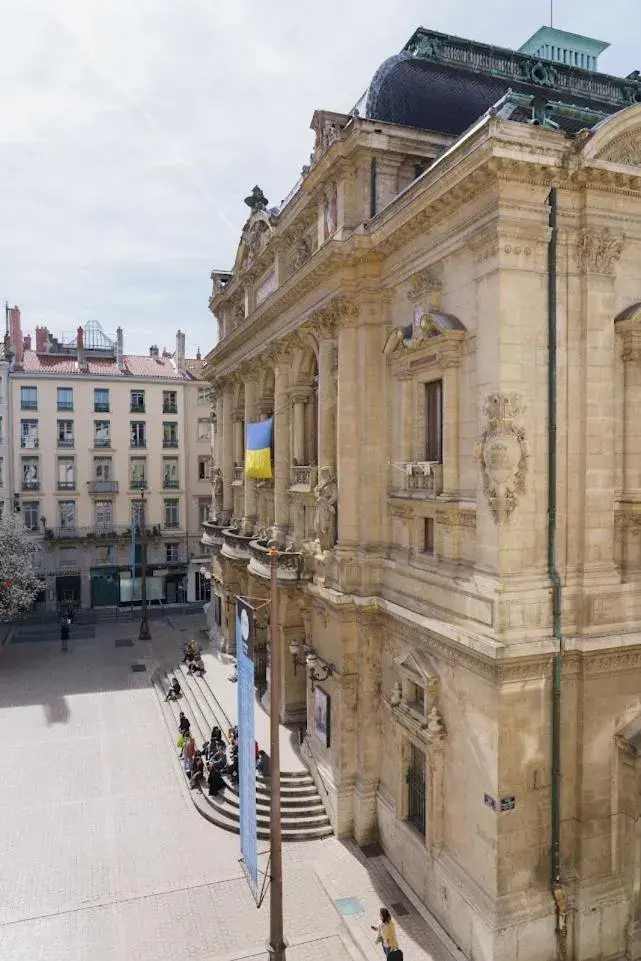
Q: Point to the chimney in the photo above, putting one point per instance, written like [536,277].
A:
[26,342]
[198,355]
[80,344]
[42,340]
[15,333]
[153,351]
[119,348]
[180,351]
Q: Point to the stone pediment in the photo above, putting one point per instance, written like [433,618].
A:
[625,151]
[616,140]
[428,325]
[410,664]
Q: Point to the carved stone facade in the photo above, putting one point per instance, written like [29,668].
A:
[406,369]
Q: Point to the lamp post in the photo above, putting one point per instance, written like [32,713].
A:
[144,634]
[276,945]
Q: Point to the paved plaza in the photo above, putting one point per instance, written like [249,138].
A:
[104,856]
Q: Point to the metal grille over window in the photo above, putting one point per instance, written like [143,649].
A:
[416,789]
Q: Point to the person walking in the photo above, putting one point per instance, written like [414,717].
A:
[387,936]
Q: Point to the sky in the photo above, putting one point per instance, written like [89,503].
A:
[131,131]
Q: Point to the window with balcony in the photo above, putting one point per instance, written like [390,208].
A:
[30,471]
[104,515]
[65,433]
[29,434]
[65,398]
[29,398]
[102,477]
[169,402]
[102,433]
[66,474]
[137,401]
[204,430]
[138,433]
[434,421]
[171,552]
[31,514]
[169,433]
[101,400]
[204,507]
[138,473]
[170,475]
[67,511]
[203,396]
[204,464]
[171,512]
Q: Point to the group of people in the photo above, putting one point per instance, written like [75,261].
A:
[194,659]
[215,758]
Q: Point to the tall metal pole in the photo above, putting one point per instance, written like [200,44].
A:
[144,634]
[276,945]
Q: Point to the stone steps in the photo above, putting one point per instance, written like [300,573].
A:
[303,816]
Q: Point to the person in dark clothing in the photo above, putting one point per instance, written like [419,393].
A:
[262,764]
[183,723]
[232,767]
[174,691]
[215,780]
[216,735]
[197,770]
[64,633]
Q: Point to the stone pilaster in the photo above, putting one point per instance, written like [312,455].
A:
[370,415]
[631,422]
[326,398]
[249,518]
[282,460]
[450,367]
[347,435]
[238,438]
[228,450]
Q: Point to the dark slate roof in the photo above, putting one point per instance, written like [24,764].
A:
[448,99]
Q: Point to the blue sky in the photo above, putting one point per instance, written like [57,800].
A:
[130,132]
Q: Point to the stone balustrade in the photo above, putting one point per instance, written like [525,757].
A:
[419,478]
[304,477]
[212,535]
[235,545]
[292,566]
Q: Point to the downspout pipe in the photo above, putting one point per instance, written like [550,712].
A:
[556,887]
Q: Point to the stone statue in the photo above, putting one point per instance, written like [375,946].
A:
[326,496]
[217,491]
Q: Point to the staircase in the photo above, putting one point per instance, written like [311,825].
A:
[303,817]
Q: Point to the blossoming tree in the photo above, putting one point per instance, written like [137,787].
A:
[19,583]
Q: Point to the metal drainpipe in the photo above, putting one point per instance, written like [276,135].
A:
[556,887]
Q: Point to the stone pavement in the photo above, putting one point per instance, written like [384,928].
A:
[103,855]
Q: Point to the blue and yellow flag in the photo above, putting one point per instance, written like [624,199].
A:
[258,450]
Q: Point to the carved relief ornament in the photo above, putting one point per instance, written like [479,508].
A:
[503,454]
[625,150]
[597,250]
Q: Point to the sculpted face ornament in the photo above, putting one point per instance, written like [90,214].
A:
[503,454]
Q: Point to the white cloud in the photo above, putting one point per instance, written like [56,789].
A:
[131,132]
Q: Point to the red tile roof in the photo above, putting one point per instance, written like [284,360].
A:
[134,365]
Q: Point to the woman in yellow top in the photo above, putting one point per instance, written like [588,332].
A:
[386,932]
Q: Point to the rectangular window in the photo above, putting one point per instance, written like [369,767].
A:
[29,434]
[202,587]
[66,474]
[101,400]
[203,396]
[65,433]
[203,468]
[137,401]
[203,511]
[169,402]
[138,515]
[102,469]
[30,469]
[102,433]
[29,398]
[138,434]
[171,512]
[65,398]
[204,430]
[428,536]
[170,433]
[434,421]
[67,515]
[170,476]
[104,515]
[31,514]
[138,473]
[416,789]
[171,553]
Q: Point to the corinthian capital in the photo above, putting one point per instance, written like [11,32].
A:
[326,321]
[597,250]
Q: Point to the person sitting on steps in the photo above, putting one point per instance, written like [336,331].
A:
[174,691]
[196,666]
[183,723]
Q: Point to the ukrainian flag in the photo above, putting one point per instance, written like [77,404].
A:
[258,450]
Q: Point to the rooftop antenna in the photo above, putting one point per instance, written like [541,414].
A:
[551,13]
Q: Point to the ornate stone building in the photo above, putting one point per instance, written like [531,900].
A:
[444,319]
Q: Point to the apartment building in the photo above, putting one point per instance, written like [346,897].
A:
[110,449]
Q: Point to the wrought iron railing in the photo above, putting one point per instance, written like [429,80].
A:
[103,487]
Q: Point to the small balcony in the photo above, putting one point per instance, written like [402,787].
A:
[31,485]
[103,487]
[138,484]
[236,545]
[418,479]
[102,442]
[212,535]
[66,442]
[65,405]
[239,477]
[171,525]
[170,442]
[170,484]
[304,478]
[66,485]
[29,443]
[137,408]
[102,532]
[28,405]
[101,408]
[170,408]
[292,567]
[138,444]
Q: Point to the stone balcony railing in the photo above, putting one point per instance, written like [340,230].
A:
[291,566]
[212,535]
[304,477]
[419,478]
[235,545]
[239,477]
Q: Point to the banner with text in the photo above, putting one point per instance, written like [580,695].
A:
[246,741]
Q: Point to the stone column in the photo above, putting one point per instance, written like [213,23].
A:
[217,436]
[281,447]
[249,519]
[299,429]
[631,421]
[347,441]
[450,367]
[238,439]
[404,444]
[327,396]
[228,451]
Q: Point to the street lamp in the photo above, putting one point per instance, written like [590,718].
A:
[144,634]
[304,655]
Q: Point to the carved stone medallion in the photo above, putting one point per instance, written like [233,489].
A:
[503,454]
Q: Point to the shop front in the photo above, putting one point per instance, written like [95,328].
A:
[115,586]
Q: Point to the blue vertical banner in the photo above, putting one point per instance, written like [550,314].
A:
[246,741]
